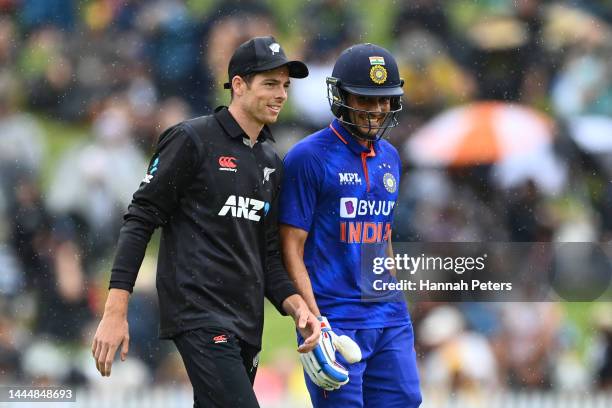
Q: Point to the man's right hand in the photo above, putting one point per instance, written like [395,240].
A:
[112,332]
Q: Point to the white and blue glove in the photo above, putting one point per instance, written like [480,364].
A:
[320,364]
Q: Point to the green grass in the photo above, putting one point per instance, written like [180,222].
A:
[279,334]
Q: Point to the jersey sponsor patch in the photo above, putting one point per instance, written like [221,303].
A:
[222,338]
[244,207]
[349,178]
[228,163]
[350,207]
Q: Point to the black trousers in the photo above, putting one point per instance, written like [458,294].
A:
[220,366]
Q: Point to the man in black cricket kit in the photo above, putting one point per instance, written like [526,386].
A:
[213,187]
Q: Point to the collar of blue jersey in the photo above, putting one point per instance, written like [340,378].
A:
[347,138]
[233,129]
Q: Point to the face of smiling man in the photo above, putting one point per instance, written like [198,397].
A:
[368,124]
[265,95]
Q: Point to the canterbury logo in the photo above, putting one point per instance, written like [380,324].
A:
[227,163]
[220,339]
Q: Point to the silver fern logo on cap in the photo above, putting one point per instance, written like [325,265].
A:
[274,47]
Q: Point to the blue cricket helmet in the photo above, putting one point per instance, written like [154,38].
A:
[365,70]
[368,70]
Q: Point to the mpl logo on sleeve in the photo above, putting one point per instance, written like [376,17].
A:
[349,178]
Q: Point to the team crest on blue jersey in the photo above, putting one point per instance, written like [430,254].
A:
[390,182]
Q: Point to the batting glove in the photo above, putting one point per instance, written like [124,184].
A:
[320,364]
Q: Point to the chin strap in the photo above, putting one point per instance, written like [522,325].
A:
[356,133]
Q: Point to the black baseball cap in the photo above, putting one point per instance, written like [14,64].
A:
[262,54]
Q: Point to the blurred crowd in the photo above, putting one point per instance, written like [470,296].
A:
[122,71]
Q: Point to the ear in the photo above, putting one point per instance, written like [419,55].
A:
[238,85]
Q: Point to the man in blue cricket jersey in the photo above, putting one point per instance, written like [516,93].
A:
[337,199]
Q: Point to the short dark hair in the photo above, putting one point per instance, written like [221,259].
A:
[248,78]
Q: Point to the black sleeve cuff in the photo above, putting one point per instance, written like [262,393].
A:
[121,285]
[278,296]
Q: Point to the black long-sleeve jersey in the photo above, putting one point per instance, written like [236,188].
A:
[215,197]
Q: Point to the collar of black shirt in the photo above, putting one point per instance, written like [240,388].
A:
[233,129]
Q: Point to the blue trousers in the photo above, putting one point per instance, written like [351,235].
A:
[386,376]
